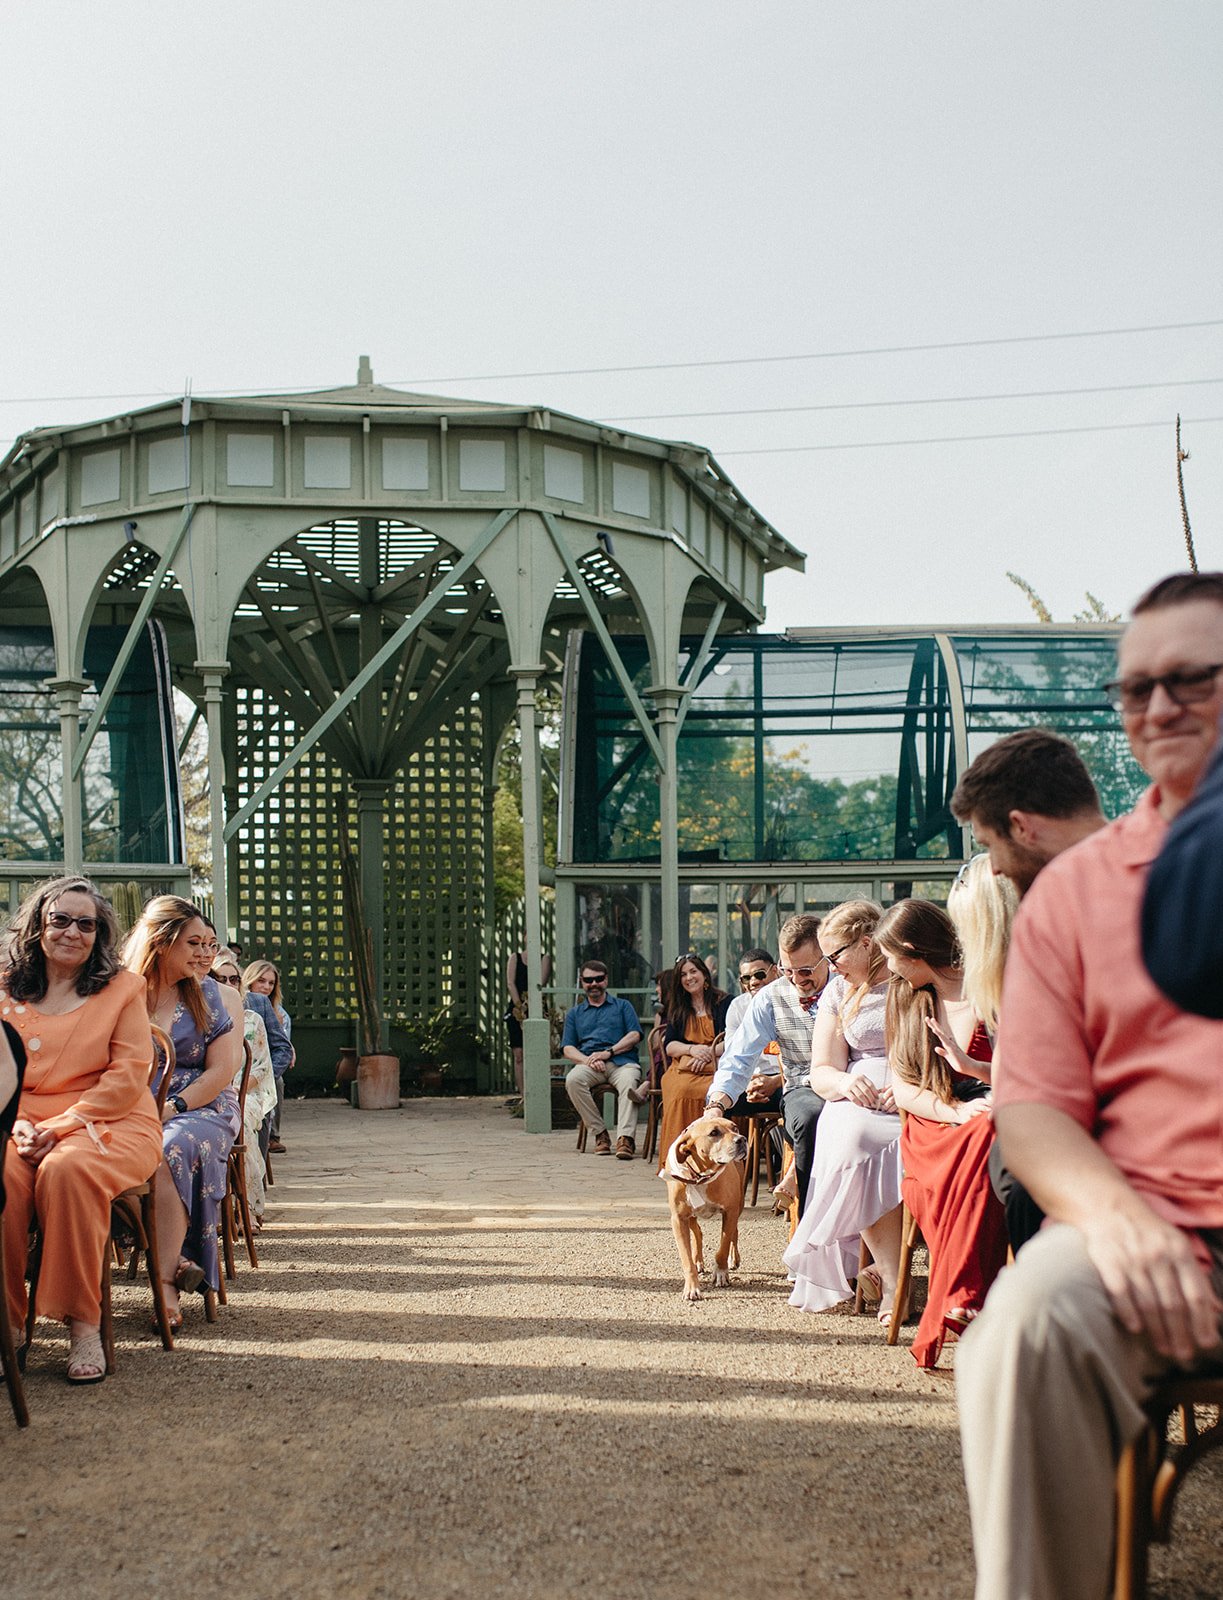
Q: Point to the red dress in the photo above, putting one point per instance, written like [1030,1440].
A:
[946,1187]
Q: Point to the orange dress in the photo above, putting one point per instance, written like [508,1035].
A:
[683,1087]
[87,1081]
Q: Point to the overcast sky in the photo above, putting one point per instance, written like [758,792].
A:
[250,195]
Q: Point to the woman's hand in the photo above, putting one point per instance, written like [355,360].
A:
[702,1056]
[168,1111]
[957,1059]
[887,1100]
[861,1091]
[30,1142]
[981,1106]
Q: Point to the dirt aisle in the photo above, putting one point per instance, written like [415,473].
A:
[464,1368]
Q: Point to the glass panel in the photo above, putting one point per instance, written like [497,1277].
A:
[609,929]
[129,788]
[1026,682]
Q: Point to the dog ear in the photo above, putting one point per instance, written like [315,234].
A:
[685,1149]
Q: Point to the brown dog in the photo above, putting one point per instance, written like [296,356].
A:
[704,1173]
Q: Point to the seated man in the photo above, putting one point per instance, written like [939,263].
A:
[763,1093]
[1182,929]
[782,1013]
[1108,1106]
[601,1037]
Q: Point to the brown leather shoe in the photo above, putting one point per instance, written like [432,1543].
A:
[626,1149]
[603,1143]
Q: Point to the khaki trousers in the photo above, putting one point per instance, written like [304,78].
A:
[580,1080]
[1050,1387]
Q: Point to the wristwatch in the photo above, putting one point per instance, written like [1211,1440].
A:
[179,1104]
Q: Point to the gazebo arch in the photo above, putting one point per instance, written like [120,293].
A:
[469,538]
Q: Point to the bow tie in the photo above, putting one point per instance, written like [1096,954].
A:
[808,1001]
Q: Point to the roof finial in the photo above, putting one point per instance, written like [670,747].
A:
[365,372]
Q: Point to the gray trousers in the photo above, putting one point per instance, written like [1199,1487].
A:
[1050,1386]
[579,1081]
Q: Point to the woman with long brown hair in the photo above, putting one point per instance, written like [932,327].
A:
[696,1014]
[200,1121]
[948,1131]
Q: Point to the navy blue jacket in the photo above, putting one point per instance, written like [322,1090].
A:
[1182,914]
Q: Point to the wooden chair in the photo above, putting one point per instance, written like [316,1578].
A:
[603,1089]
[235,1208]
[8,1349]
[1151,1471]
[653,1093]
[131,1212]
[760,1143]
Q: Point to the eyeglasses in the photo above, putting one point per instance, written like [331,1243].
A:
[837,954]
[1187,687]
[758,976]
[806,972]
[235,980]
[595,983]
[61,920]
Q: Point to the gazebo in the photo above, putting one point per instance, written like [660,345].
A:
[360,589]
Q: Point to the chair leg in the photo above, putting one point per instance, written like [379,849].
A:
[244,1212]
[267,1169]
[33,1269]
[8,1356]
[107,1329]
[1133,1517]
[227,1233]
[651,1130]
[864,1261]
[210,1303]
[908,1244]
[148,1221]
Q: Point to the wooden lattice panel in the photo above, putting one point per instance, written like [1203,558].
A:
[288,869]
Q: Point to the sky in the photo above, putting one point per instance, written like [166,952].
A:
[493,200]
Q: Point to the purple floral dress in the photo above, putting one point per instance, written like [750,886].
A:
[197,1143]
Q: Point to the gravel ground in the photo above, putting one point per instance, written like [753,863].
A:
[464,1368]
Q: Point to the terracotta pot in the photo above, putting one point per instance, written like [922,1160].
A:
[378,1083]
[346,1066]
[431,1079]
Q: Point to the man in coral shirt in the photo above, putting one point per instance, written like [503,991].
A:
[1108,1108]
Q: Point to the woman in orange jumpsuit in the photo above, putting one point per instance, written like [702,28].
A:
[87,1126]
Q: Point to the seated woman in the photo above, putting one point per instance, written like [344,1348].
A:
[201,1114]
[948,1130]
[696,1014]
[263,977]
[86,1126]
[855,1175]
[260,1088]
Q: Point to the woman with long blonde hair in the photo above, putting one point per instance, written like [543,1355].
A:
[263,977]
[854,1190]
[200,1121]
[940,1051]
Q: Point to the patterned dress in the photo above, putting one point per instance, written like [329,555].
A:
[855,1177]
[197,1143]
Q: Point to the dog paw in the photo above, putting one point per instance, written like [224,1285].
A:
[721,1279]
[691,1292]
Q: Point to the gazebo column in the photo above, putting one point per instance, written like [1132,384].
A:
[212,675]
[536,1077]
[68,692]
[666,700]
[371,804]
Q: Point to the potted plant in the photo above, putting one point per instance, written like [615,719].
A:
[441,1041]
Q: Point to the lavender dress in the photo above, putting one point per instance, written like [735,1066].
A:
[197,1143]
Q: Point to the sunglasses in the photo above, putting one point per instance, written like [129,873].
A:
[1188,687]
[758,976]
[809,972]
[235,980]
[61,920]
[595,983]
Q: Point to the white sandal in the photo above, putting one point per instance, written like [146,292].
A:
[86,1358]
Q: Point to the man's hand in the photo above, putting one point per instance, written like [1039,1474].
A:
[598,1059]
[1155,1282]
[763,1086]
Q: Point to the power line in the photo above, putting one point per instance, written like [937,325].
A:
[955,438]
[931,400]
[656,366]
[822,355]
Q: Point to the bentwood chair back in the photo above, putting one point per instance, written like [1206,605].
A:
[654,1072]
[8,1349]
[235,1209]
[1151,1470]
